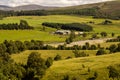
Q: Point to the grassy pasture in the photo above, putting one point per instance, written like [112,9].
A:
[38,34]
[22,57]
[23,35]
[73,67]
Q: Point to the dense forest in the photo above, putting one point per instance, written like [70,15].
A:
[94,11]
[70,26]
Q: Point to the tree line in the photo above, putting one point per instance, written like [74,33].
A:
[96,12]
[15,26]
[13,47]
[69,26]
[114,40]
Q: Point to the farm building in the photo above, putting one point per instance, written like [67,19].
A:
[62,32]
[79,33]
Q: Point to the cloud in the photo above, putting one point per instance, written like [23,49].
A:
[48,2]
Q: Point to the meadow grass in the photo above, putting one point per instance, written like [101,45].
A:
[73,67]
[27,35]
[22,57]
[38,34]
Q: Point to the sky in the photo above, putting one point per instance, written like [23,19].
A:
[59,3]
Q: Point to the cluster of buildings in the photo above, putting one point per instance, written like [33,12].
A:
[66,32]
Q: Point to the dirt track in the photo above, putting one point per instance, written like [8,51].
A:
[96,41]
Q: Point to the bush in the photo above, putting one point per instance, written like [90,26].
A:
[57,57]
[113,48]
[113,72]
[101,52]
[36,64]
[79,54]
[49,62]
[93,47]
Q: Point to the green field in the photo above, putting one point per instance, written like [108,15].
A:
[27,35]
[46,36]
[22,57]
[73,67]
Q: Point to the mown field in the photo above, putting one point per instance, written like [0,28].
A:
[46,36]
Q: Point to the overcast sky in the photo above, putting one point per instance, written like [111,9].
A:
[48,2]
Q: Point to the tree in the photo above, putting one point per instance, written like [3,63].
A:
[106,22]
[103,34]
[93,47]
[113,73]
[68,41]
[101,52]
[57,57]
[113,34]
[23,23]
[95,75]
[37,64]
[84,35]
[66,77]
[44,28]
[79,54]
[71,38]
[113,48]
[94,36]
[87,45]
[118,48]
[49,62]
[89,70]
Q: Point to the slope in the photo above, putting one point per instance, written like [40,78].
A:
[74,67]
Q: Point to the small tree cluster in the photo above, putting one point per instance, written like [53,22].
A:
[70,26]
[22,26]
[101,52]
[114,73]
[79,54]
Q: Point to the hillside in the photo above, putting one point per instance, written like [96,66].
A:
[3,7]
[109,9]
[73,67]
[32,7]
[26,7]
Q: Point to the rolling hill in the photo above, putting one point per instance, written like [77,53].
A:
[26,7]
[107,9]
[3,7]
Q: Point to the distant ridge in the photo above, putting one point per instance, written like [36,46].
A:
[32,7]
[3,7]
[26,7]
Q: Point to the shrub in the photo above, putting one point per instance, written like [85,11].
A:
[57,57]
[113,48]
[101,52]
[49,62]
[113,72]
[103,34]
[79,54]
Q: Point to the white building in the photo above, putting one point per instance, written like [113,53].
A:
[62,32]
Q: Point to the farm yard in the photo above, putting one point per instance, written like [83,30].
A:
[73,67]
